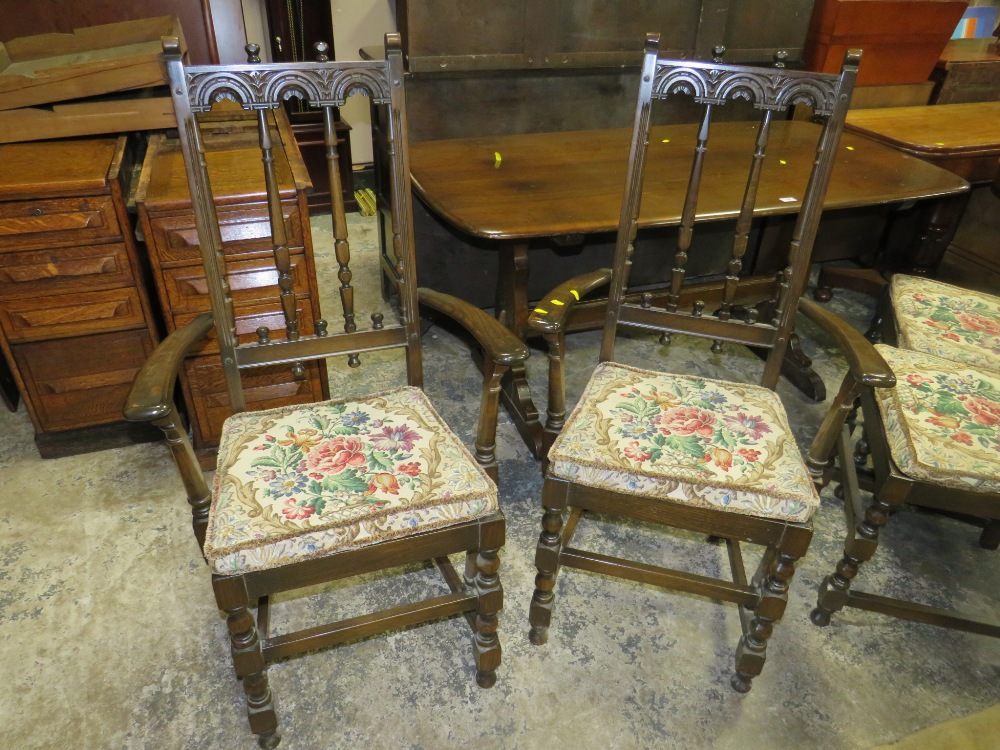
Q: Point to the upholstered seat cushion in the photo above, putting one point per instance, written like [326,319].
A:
[946,320]
[686,439]
[300,482]
[942,420]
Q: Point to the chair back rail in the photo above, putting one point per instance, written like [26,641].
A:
[261,88]
[772,91]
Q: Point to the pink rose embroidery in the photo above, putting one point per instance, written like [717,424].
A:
[979,323]
[633,451]
[687,420]
[983,411]
[295,512]
[333,456]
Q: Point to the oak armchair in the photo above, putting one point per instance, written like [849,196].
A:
[309,493]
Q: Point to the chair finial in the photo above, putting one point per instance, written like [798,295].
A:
[253,53]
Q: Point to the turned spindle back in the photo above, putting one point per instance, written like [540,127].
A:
[727,315]
[260,89]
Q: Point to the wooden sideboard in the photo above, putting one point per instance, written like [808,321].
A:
[75,318]
[167,223]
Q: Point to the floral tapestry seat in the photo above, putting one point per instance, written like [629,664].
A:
[686,439]
[946,320]
[300,482]
[942,420]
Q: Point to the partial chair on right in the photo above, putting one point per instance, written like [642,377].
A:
[932,442]
[699,454]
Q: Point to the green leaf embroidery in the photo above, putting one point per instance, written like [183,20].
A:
[686,444]
[345,481]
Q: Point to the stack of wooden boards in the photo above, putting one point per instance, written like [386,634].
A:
[99,79]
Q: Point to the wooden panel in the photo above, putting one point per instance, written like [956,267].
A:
[71,314]
[26,225]
[902,39]
[64,270]
[264,387]
[246,232]
[87,388]
[441,36]
[89,61]
[250,281]
[44,16]
[86,118]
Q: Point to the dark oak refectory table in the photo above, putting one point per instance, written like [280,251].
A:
[519,189]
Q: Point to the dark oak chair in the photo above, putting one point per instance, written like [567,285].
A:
[703,455]
[931,443]
[311,493]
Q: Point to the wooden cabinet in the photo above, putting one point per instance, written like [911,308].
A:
[75,317]
[167,222]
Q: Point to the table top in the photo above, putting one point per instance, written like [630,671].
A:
[933,130]
[553,184]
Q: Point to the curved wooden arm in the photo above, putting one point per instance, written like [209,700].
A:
[555,307]
[502,346]
[866,369]
[152,394]
[866,364]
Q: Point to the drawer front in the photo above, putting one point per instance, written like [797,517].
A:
[264,387]
[248,320]
[71,314]
[245,231]
[63,270]
[250,282]
[59,222]
[79,382]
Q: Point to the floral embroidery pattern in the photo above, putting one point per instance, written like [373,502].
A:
[311,478]
[700,441]
[942,420]
[947,321]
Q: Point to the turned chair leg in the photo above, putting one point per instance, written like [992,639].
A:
[547,563]
[486,644]
[860,546]
[248,660]
[990,538]
[752,649]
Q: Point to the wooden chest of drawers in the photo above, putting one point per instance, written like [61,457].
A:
[74,314]
[167,223]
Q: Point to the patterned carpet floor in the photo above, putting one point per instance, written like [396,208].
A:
[110,636]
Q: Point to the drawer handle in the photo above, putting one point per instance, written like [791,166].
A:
[36,211]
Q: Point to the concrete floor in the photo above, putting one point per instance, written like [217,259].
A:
[110,636]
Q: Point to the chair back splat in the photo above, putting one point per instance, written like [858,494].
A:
[729,314]
[261,88]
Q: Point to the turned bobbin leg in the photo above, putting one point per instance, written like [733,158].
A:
[772,581]
[547,560]
[248,659]
[486,644]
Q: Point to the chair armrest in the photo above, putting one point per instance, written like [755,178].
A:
[865,364]
[555,308]
[152,393]
[502,346]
